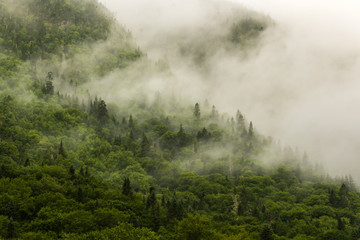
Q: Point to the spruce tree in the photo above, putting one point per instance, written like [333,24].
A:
[197,111]
[144,146]
[251,130]
[62,150]
[102,113]
[181,136]
[214,113]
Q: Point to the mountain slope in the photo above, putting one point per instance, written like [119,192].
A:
[74,166]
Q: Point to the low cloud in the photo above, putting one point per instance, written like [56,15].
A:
[300,84]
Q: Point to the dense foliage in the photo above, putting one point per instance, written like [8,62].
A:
[75,167]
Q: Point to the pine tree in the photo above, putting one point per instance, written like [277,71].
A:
[332,197]
[62,150]
[131,135]
[144,146]
[181,136]
[197,111]
[214,113]
[102,113]
[251,130]
[343,194]
[240,121]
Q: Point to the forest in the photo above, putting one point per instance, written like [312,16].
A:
[76,166]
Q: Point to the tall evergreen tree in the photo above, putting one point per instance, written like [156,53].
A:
[251,130]
[144,146]
[214,113]
[197,111]
[181,136]
[102,113]
[62,150]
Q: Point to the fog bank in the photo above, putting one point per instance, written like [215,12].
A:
[300,84]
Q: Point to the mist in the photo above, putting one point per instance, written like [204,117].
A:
[298,85]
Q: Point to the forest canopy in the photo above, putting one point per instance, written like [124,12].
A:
[76,166]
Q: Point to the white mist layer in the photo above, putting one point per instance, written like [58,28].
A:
[301,86]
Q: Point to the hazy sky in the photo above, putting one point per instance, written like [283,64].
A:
[303,87]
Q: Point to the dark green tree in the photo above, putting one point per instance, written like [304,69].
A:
[197,111]
[144,146]
[62,150]
[344,196]
[72,172]
[126,189]
[151,199]
[103,114]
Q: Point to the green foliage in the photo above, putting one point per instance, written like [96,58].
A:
[95,170]
[37,27]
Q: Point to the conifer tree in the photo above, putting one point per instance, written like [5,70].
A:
[181,136]
[214,113]
[240,121]
[102,113]
[144,146]
[251,130]
[197,111]
[62,150]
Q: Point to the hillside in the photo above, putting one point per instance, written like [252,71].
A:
[76,166]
